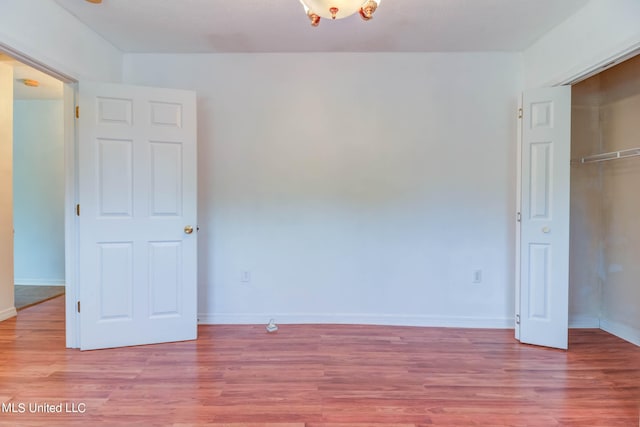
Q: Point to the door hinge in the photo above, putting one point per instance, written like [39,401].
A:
[77,111]
[518,217]
[517,318]
[519,113]
[78,306]
[78,210]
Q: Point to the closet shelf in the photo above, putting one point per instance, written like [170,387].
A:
[613,155]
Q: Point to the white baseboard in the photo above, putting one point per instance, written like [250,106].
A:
[7,313]
[584,322]
[355,319]
[39,282]
[625,332]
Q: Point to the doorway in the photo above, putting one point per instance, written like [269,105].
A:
[605,233]
[37,185]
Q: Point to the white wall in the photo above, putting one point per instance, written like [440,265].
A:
[38,182]
[595,34]
[353,187]
[7,308]
[44,31]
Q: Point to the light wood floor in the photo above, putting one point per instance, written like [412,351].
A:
[314,376]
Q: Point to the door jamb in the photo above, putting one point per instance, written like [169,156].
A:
[72,294]
[518,267]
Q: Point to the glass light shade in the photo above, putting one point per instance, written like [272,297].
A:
[323,7]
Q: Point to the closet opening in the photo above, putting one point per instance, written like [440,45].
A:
[604,269]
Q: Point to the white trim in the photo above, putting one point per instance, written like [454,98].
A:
[355,319]
[39,282]
[518,213]
[72,319]
[8,313]
[598,64]
[627,333]
[34,63]
[584,322]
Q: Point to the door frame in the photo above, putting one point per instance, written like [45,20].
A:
[71,229]
[586,70]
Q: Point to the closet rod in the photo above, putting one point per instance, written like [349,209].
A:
[632,152]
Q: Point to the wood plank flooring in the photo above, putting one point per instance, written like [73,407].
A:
[316,376]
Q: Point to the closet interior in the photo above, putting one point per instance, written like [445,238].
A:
[605,202]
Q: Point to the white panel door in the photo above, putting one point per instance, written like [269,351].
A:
[544,228]
[137,196]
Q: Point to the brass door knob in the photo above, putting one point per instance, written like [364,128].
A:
[188,229]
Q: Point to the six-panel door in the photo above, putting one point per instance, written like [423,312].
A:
[137,192]
[544,238]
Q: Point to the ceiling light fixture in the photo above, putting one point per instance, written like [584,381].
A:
[30,82]
[337,9]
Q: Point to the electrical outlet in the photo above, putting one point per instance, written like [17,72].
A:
[477,276]
[245,276]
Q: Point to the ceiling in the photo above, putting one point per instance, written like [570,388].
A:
[49,88]
[218,26]
[224,26]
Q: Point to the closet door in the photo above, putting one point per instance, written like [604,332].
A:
[542,309]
